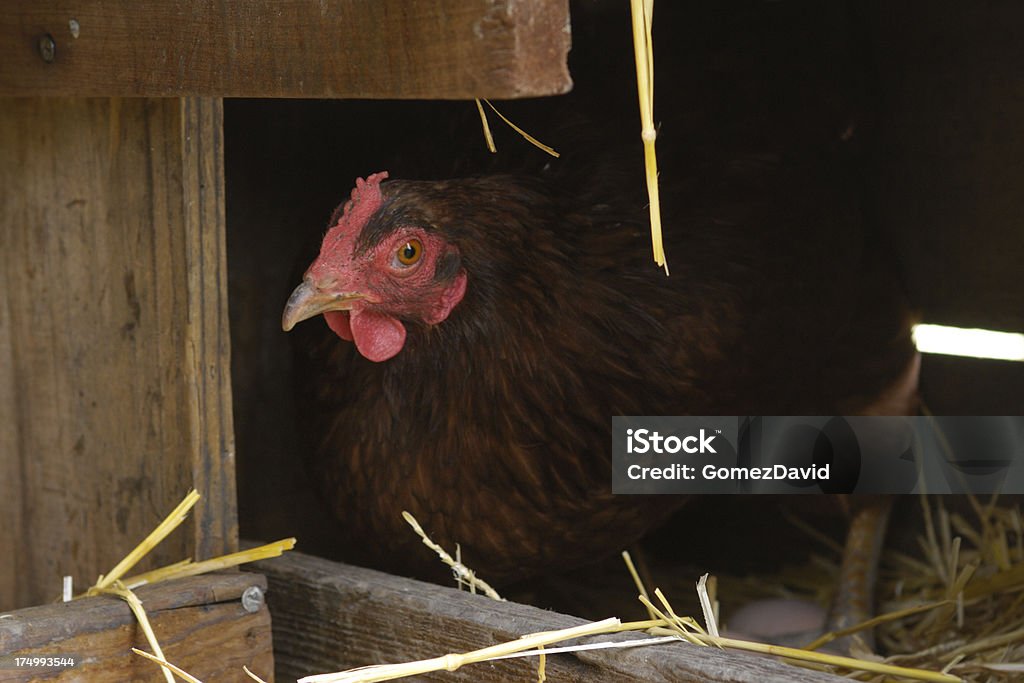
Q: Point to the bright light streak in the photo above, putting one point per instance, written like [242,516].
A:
[958,341]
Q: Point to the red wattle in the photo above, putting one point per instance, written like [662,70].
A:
[378,336]
[339,323]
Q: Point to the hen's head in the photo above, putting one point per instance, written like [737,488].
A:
[378,266]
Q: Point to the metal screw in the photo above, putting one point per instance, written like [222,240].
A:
[252,599]
[47,48]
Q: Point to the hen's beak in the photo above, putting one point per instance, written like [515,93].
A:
[309,300]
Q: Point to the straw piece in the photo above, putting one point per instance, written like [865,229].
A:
[706,607]
[155,575]
[1007,667]
[170,523]
[669,625]
[642,12]
[463,574]
[185,568]
[529,138]
[873,622]
[684,622]
[672,624]
[1016,636]
[140,614]
[831,660]
[628,559]
[664,626]
[607,645]
[113,585]
[487,128]
[182,674]
[451,662]
[977,565]
[1002,581]
[251,675]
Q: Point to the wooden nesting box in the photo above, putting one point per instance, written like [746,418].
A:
[115,385]
[115,389]
[115,393]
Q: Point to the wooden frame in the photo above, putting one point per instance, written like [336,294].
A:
[114,334]
[114,387]
[203,623]
[330,617]
[447,49]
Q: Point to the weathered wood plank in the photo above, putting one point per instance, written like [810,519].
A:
[199,622]
[207,351]
[114,385]
[329,616]
[452,49]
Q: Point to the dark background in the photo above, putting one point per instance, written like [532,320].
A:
[934,92]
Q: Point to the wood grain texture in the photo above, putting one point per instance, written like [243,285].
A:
[199,622]
[453,49]
[330,616]
[114,385]
[207,347]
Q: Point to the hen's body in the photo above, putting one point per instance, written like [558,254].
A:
[493,426]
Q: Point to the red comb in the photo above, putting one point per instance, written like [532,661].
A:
[369,189]
[366,199]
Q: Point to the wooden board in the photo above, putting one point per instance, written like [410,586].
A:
[199,622]
[452,49]
[330,616]
[114,381]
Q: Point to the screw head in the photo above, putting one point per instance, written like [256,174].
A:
[47,48]
[252,599]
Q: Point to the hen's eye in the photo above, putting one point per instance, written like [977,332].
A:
[409,253]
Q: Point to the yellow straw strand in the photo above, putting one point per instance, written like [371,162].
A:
[170,523]
[827,638]
[140,614]
[463,574]
[530,644]
[181,673]
[187,568]
[487,128]
[642,12]
[529,138]
[451,662]
[832,660]
[251,675]
[628,559]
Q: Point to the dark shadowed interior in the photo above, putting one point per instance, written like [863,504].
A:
[924,98]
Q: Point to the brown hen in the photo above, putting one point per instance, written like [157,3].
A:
[499,322]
